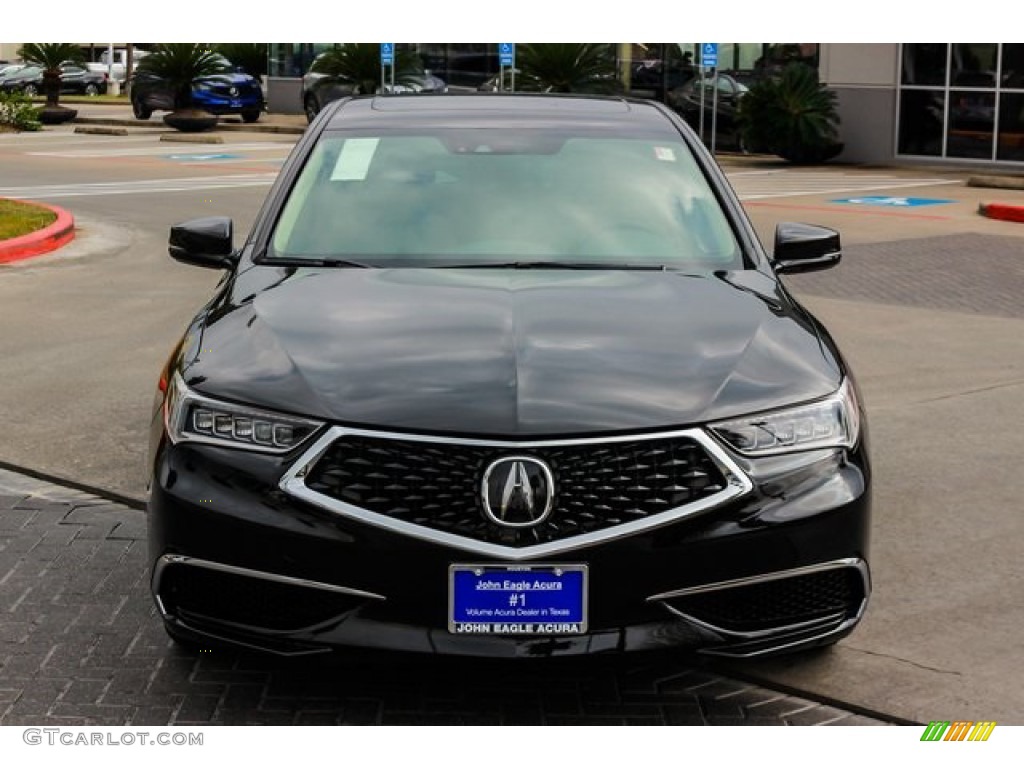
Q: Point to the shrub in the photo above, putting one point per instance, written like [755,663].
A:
[791,115]
[567,68]
[251,57]
[179,64]
[18,112]
[49,57]
[359,64]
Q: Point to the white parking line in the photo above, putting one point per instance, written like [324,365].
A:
[196,148]
[69,138]
[761,185]
[149,186]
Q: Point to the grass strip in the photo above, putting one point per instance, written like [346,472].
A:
[18,218]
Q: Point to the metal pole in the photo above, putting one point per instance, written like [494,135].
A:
[702,101]
[714,109]
[663,53]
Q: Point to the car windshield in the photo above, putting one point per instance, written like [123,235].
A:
[451,197]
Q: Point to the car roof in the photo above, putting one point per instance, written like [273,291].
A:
[497,109]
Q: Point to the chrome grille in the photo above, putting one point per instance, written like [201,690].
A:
[243,90]
[436,485]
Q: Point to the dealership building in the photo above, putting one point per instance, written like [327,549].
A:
[956,103]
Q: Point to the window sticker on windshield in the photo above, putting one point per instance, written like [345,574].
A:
[665,154]
[354,159]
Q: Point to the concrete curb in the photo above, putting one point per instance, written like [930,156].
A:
[1002,211]
[996,182]
[101,130]
[193,138]
[50,238]
[243,127]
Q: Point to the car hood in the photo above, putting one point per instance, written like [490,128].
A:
[510,352]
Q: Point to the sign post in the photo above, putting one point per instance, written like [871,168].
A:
[507,60]
[709,60]
[387,61]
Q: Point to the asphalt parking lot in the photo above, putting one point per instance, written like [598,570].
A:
[926,306]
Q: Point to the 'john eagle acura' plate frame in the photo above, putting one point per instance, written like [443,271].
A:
[540,600]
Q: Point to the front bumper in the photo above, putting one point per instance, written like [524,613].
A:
[238,559]
[219,104]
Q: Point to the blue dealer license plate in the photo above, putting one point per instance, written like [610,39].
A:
[517,600]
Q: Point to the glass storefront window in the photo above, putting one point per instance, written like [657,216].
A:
[921,118]
[924,63]
[974,65]
[293,59]
[1013,66]
[973,107]
[972,116]
[1011,127]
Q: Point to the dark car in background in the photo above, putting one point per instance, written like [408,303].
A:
[506,375]
[730,87]
[73,79]
[319,88]
[7,69]
[232,92]
[464,70]
[653,78]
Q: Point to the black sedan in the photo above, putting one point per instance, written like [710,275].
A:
[719,108]
[320,88]
[506,375]
[73,79]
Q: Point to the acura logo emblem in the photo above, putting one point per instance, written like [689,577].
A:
[518,491]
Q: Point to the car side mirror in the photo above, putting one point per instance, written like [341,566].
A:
[805,248]
[204,243]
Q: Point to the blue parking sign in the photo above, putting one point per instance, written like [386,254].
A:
[506,54]
[709,54]
[387,54]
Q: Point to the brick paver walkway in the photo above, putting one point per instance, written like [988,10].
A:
[81,644]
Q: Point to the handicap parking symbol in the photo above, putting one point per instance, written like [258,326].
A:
[893,202]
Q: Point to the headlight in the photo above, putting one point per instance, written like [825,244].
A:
[830,423]
[191,417]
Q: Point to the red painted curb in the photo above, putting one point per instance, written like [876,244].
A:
[1002,211]
[50,238]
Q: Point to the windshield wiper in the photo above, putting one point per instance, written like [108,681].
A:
[556,265]
[312,262]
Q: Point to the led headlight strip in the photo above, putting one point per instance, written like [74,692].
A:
[192,417]
[833,422]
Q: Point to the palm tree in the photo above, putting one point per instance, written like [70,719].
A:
[49,57]
[792,116]
[567,67]
[251,57]
[359,63]
[179,65]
